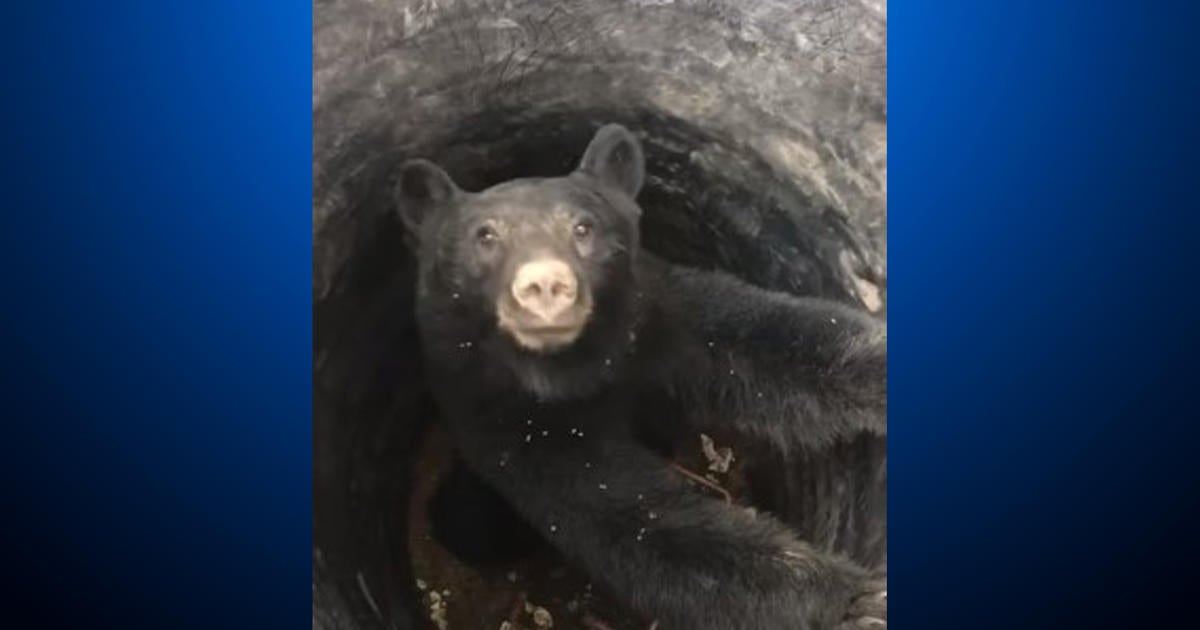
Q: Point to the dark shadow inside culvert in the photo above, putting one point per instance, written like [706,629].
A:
[717,196]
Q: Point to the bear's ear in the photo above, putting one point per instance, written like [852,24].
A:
[422,187]
[615,158]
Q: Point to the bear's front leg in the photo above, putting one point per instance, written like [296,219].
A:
[795,371]
[669,553]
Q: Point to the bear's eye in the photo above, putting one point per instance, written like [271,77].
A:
[583,229]
[486,235]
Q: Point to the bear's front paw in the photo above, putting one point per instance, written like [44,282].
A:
[850,598]
[868,609]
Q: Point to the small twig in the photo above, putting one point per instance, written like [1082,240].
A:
[704,482]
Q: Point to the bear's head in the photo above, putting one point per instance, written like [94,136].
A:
[536,268]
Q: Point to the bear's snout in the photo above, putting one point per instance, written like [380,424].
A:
[545,288]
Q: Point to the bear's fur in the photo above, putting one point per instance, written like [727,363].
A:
[542,411]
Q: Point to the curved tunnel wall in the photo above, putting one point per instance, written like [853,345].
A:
[764,125]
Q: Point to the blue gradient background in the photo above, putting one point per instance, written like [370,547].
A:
[156,327]
[157,318]
[1043,219]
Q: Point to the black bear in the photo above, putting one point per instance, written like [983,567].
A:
[541,321]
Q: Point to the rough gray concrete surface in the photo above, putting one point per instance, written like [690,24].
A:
[800,84]
[765,124]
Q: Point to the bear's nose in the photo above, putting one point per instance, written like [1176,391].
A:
[545,288]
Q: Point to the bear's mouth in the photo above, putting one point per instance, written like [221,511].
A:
[551,330]
[545,338]
[540,336]
[532,333]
